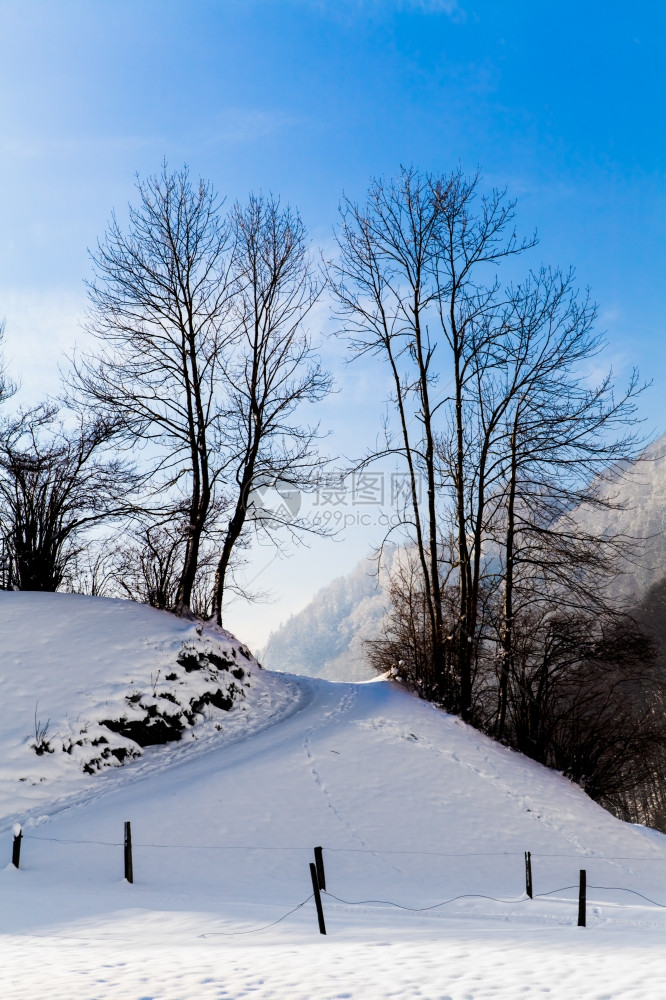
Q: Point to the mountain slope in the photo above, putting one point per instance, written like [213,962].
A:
[640,491]
[326,638]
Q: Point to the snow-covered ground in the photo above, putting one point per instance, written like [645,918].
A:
[413,810]
[84,679]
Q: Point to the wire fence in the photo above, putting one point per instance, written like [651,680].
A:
[319,877]
[423,909]
[350,850]
[264,927]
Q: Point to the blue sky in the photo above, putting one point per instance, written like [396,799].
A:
[564,104]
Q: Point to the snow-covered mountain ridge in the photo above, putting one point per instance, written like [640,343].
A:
[326,637]
[639,491]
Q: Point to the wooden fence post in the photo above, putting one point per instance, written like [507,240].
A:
[129,868]
[582,891]
[319,862]
[528,874]
[16,846]
[317,897]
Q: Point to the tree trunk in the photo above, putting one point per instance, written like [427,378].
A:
[507,626]
[200,498]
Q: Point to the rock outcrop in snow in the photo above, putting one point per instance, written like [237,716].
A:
[94,681]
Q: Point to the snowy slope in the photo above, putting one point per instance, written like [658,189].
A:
[411,806]
[88,682]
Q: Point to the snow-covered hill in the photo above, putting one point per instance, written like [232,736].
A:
[412,808]
[88,683]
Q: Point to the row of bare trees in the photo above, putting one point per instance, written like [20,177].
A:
[501,611]
[57,483]
[201,359]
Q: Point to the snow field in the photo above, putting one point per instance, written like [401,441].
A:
[411,807]
[485,965]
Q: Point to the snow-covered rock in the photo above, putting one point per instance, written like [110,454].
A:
[90,682]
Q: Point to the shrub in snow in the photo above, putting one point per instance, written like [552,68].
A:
[41,743]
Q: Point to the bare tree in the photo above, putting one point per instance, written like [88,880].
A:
[492,409]
[415,281]
[538,443]
[274,372]
[93,570]
[7,386]
[159,311]
[382,279]
[203,361]
[405,647]
[146,568]
[55,485]
[585,698]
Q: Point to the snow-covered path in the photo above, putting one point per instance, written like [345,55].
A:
[411,807]
[365,771]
